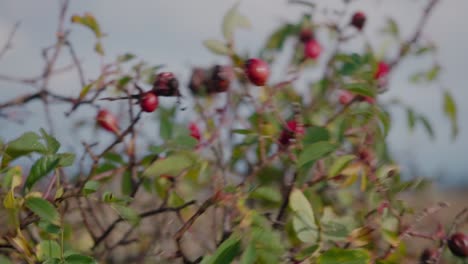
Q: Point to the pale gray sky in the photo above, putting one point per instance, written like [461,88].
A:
[171,33]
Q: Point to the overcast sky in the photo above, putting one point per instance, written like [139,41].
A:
[171,32]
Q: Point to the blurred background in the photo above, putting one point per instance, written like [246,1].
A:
[172,32]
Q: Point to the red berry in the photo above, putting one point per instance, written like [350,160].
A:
[358,20]
[428,256]
[149,102]
[295,127]
[369,99]
[107,121]
[458,244]
[198,84]
[166,84]
[312,49]
[257,71]
[346,97]
[382,70]
[194,131]
[306,35]
[220,78]
[290,131]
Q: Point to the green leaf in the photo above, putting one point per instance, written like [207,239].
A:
[433,73]
[52,144]
[127,213]
[315,134]
[52,261]
[49,228]
[65,159]
[172,165]
[126,184]
[411,117]
[384,118]
[339,164]
[126,79]
[334,227]
[114,157]
[85,90]
[303,219]
[175,200]
[360,89]
[125,57]
[90,187]
[266,193]
[217,47]
[392,27]
[344,256]
[314,152]
[43,209]
[79,259]
[165,125]
[249,255]
[278,38]
[232,20]
[427,126]
[48,249]
[226,252]
[24,145]
[41,168]
[450,110]
[242,131]
[98,48]
[185,141]
[4,260]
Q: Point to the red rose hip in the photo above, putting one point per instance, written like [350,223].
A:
[382,70]
[346,97]
[312,49]
[108,121]
[166,84]
[428,256]
[306,35]
[194,131]
[290,131]
[458,245]
[358,20]
[257,71]
[149,102]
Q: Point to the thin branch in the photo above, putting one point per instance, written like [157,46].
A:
[417,33]
[142,215]
[8,43]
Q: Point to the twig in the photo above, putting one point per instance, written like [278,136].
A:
[142,215]
[8,43]
[416,35]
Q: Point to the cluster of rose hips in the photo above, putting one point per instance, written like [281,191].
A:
[165,85]
[218,79]
[457,243]
[312,48]
[210,81]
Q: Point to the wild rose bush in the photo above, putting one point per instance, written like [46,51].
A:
[245,170]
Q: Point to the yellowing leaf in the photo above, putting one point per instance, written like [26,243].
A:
[172,165]
[216,47]
[9,202]
[303,219]
[232,20]
[340,164]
